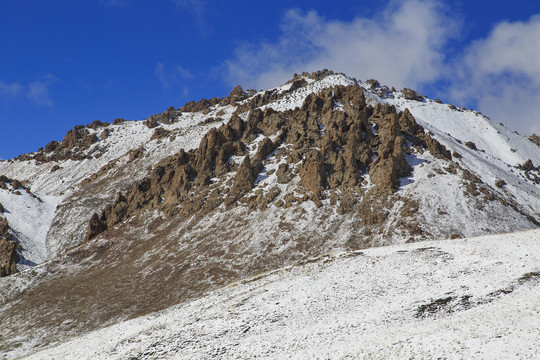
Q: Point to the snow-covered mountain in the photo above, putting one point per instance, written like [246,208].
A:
[121,220]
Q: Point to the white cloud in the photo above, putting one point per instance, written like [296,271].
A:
[401,46]
[10,90]
[37,91]
[501,74]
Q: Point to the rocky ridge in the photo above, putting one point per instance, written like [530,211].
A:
[333,143]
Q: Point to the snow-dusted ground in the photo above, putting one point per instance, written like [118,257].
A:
[474,298]
[30,219]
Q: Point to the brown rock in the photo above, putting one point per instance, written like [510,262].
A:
[244,179]
[151,123]
[412,95]
[95,124]
[470,145]
[193,106]
[237,94]
[284,174]
[95,227]
[160,133]
[8,250]
[535,139]
[313,173]
[500,183]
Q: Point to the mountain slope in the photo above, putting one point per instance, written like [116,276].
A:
[140,216]
[472,298]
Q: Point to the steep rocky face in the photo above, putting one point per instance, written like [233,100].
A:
[8,250]
[333,144]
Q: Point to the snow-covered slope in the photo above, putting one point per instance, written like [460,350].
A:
[472,298]
[30,219]
[256,181]
[498,149]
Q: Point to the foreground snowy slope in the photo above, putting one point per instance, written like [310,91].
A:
[472,298]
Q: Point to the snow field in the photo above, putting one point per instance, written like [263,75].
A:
[353,305]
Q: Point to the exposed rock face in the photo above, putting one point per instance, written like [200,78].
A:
[412,95]
[8,250]
[166,117]
[331,143]
[192,106]
[13,185]
[237,94]
[265,190]
[243,182]
[313,173]
[535,139]
[151,123]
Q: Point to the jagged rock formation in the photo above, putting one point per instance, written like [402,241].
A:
[333,142]
[72,146]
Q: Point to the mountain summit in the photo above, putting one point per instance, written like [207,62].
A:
[120,220]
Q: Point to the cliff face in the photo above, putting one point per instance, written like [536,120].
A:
[133,217]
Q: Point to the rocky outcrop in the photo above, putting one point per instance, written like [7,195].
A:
[535,139]
[14,186]
[167,117]
[313,173]
[531,172]
[471,145]
[244,179]
[410,94]
[192,106]
[8,250]
[72,146]
[331,143]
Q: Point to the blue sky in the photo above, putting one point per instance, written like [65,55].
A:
[64,62]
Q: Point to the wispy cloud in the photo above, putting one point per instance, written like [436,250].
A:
[173,77]
[37,91]
[10,90]
[501,74]
[401,46]
[169,76]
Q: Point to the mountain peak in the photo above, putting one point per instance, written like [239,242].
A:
[217,190]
